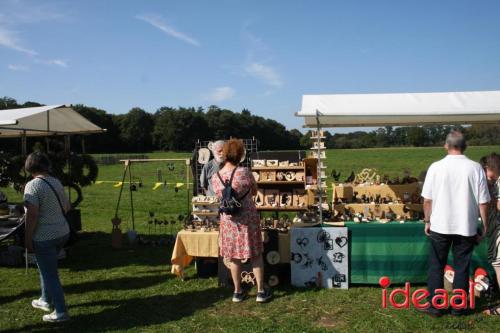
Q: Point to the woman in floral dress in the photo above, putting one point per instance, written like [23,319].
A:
[240,236]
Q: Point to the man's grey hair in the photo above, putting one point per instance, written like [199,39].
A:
[218,143]
[456,140]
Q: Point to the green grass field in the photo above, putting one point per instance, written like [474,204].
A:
[132,289]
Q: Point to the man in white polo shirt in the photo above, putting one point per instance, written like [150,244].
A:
[455,194]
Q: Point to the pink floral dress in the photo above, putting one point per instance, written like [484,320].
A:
[240,235]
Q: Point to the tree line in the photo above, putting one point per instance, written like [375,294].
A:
[177,129]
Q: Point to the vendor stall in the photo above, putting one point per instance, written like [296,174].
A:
[394,249]
[45,121]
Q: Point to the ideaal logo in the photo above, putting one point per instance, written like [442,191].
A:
[441,299]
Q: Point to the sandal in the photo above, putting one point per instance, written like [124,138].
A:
[493,311]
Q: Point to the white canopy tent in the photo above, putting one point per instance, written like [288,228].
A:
[44,121]
[353,110]
[403,109]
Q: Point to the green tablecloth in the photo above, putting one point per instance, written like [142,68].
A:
[399,251]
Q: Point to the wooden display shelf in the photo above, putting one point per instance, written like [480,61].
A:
[202,203]
[281,182]
[314,187]
[284,209]
[278,168]
[205,213]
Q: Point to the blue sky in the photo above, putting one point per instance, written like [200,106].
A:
[259,55]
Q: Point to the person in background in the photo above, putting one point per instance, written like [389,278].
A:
[211,168]
[491,165]
[46,233]
[240,235]
[455,193]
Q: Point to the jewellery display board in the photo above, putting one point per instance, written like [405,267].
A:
[319,257]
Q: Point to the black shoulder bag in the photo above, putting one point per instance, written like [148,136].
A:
[230,203]
[73,235]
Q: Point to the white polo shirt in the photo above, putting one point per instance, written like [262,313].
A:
[456,185]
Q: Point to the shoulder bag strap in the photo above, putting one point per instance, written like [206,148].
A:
[232,176]
[55,192]
[221,180]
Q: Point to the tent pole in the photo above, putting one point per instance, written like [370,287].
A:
[83,144]
[318,171]
[67,149]
[24,148]
[188,164]
[131,198]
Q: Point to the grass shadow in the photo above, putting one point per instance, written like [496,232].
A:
[82,257]
[135,313]
[124,283]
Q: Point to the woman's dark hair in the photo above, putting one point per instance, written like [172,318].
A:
[233,151]
[491,162]
[37,162]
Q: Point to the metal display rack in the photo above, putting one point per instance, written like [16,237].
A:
[251,146]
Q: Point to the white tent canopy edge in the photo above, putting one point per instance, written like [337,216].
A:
[44,121]
[400,109]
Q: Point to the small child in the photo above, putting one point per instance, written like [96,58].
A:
[491,165]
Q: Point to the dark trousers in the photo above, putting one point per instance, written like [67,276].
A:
[462,248]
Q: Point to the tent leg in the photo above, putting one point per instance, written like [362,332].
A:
[131,198]
[83,145]
[24,145]
[26,261]
[67,150]
[188,168]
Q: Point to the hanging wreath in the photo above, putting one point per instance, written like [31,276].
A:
[12,172]
[79,195]
[90,165]
[83,169]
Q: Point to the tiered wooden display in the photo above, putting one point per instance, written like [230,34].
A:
[281,188]
[205,209]
[401,201]
[316,183]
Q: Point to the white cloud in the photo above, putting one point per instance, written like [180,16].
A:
[18,68]
[22,12]
[57,62]
[265,73]
[9,40]
[53,62]
[158,22]
[220,94]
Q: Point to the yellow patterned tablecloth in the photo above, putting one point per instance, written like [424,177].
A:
[205,244]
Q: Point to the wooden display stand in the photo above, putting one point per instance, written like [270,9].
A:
[312,180]
[345,192]
[378,211]
[382,201]
[205,209]
[281,188]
